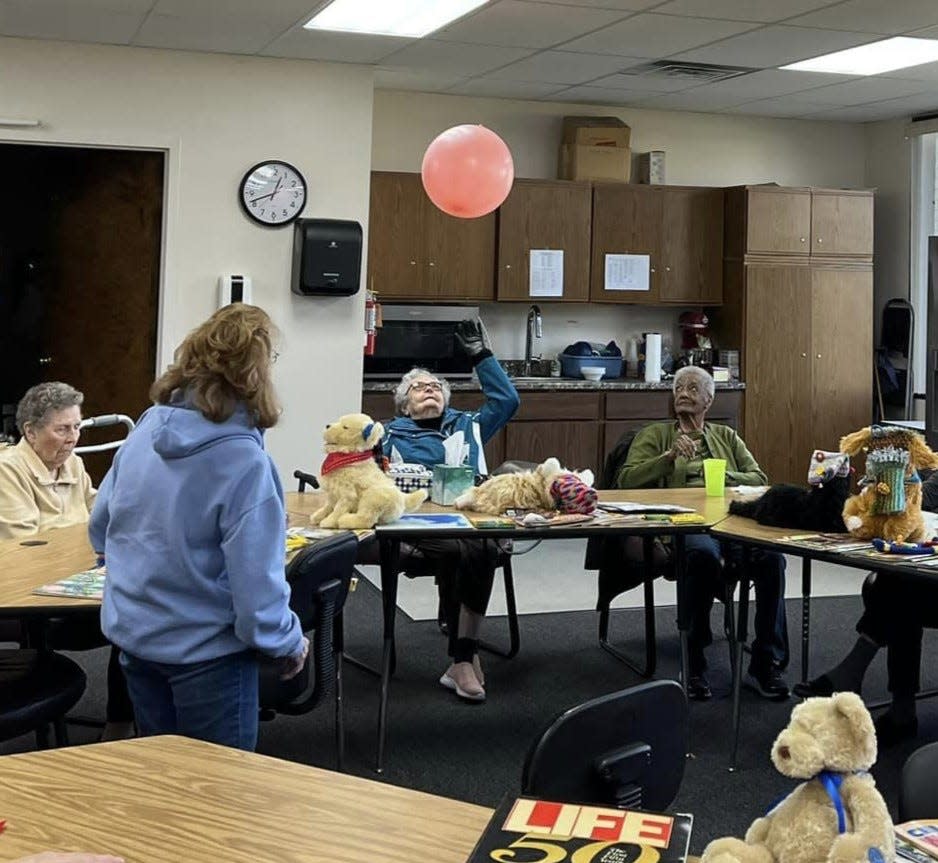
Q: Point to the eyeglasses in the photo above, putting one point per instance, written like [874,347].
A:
[427,387]
[274,356]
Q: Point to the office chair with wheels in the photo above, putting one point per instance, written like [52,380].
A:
[319,577]
[625,749]
[37,689]
[918,789]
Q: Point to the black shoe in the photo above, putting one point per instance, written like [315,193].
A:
[820,687]
[698,689]
[890,730]
[768,682]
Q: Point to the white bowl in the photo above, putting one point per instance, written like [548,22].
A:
[592,373]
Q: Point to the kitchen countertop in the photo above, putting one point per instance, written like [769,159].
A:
[553,385]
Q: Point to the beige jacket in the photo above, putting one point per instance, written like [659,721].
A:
[31,500]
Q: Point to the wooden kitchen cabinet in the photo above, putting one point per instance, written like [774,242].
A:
[679,228]
[417,252]
[575,443]
[544,214]
[803,321]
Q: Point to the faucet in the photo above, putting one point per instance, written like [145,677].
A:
[534,330]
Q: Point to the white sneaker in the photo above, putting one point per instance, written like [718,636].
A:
[461,678]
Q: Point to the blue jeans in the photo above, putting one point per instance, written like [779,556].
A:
[705,580]
[215,700]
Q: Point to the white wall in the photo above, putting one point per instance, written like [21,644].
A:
[217,115]
[702,150]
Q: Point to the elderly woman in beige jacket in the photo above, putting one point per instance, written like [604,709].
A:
[43,484]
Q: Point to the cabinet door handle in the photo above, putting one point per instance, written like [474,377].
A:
[804,355]
[653,270]
[667,269]
[413,263]
[820,240]
[432,264]
[818,356]
[802,239]
[507,266]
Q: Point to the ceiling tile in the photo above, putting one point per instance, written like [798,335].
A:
[588,95]
[872,89]
[245,34]
[561,67]
[698,99]
[645,83]
[504,89]
[766,11]
[873,16]
[404,79]
[779,106]
[776,45]
[454,58]
[625,5]
[654,36]
[923,72]
[767,83]
[527,25]
[339,47]
[885,110]
[107,21]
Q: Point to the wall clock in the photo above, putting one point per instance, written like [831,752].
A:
[273,193]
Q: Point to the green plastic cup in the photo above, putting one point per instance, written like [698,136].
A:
[714,476]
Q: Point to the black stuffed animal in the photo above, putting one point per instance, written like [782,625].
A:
[819,507]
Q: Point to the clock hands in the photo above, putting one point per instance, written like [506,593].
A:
[270,194]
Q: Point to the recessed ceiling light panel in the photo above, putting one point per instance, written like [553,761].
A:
[873,59]
[413,18]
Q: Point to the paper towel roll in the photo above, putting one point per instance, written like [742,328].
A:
[652,357]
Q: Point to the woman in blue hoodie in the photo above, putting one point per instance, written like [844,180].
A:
[191,521]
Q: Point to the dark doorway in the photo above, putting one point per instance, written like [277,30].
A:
[80,241]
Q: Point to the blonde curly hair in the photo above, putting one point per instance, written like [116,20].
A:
[223,363]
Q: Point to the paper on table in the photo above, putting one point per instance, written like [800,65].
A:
[545,273]
[749,489]
[628,273]
[629,506]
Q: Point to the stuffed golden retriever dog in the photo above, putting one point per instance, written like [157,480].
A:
[532,489]
[358,493]
[836,815]
[889,505]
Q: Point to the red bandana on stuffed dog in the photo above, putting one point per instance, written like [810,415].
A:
[335,460]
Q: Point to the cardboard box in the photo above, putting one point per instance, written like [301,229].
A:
[578,162]
[596,132]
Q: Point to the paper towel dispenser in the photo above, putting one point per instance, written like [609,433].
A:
[327,257]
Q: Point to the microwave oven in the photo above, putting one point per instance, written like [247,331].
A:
[421,336]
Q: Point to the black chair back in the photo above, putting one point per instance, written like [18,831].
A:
[918,788]
[319,576]
[624,749]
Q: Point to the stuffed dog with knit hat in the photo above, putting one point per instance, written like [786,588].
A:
[358,493]
[889,505]
[836,814]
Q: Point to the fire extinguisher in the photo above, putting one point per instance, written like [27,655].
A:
[371,321]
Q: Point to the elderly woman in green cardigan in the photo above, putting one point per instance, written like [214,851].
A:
[670,455]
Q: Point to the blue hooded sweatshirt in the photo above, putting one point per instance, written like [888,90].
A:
[191,521]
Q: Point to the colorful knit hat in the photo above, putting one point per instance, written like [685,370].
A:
[571,494]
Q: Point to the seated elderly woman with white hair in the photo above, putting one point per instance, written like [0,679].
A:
[671,454]
[464,569]
[44,485]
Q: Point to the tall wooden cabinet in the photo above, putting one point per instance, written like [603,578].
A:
[680,228]
[417,252]
[544,214]
[798,302]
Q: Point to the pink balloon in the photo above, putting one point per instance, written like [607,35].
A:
[467,171]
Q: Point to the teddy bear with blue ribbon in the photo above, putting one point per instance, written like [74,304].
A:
[836,814]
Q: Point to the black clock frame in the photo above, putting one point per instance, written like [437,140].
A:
[247,211]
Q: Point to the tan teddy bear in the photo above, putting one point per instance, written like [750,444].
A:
[358,493]
[830,743]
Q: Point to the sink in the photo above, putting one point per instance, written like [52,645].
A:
[515,369]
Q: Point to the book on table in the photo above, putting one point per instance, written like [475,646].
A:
[428,521]
[907,851]
[82,585]
[579,833]
[921,835]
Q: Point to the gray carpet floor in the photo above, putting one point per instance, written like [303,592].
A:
[476,752]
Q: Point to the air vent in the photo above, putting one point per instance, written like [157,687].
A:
[702,73]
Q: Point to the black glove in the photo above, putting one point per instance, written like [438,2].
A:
[472,339]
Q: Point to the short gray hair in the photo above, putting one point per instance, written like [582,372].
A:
[41,400]
[702,375]
[401,394]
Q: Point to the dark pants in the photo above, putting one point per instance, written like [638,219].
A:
[895,612]
[216,700]
[709,563]
[464,570]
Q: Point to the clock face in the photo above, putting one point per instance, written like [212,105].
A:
[273,193]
